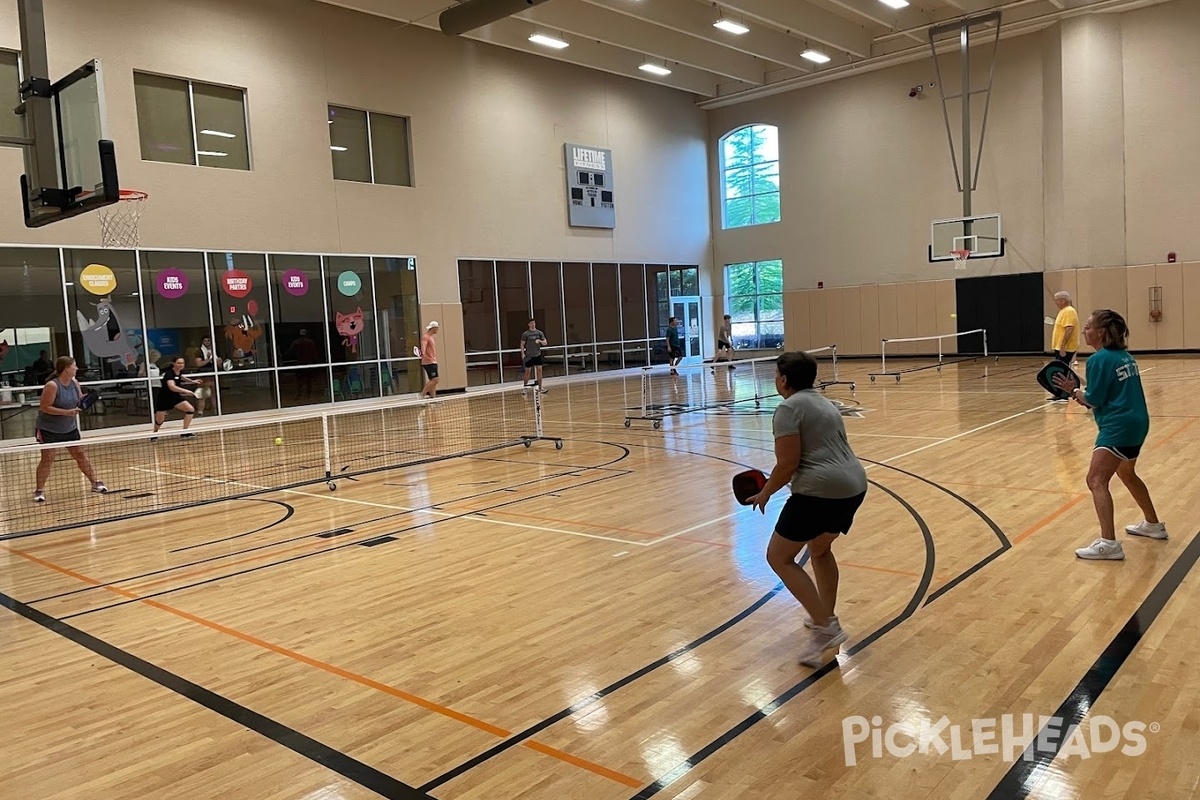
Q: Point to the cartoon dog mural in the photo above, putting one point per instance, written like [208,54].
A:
[242,335]
[105,336]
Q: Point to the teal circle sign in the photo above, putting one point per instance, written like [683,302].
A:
[348,283]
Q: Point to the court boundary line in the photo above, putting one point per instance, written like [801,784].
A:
[1026,773]
[315,751]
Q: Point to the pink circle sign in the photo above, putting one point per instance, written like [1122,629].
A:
[294,282]
[171,283]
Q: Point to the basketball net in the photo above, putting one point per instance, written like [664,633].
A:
[119,221]
[960,258]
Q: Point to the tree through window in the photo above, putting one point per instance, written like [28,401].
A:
[750,176]
[754,291]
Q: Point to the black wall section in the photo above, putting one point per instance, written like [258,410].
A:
[1009,307]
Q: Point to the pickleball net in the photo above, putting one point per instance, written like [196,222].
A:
[149,474]
[700,387]
[921,353]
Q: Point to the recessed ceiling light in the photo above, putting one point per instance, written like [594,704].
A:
[730,26]
[895,3]
[548,41]
[654,69]
[815,56]
[222,134]
[337,149]
[213,153]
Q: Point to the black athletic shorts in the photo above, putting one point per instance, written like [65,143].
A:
[50,437]
[804,517]
[1126,453]
[723,346]
[535,361]
[430,371]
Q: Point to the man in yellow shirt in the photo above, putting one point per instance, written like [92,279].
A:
[1065,340]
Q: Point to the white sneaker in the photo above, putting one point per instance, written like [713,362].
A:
[808,623]
[1151,530]
[823,639]
[1102,550]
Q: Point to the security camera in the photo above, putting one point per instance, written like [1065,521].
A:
[916,90]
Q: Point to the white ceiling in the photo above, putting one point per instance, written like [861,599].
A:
[617,36]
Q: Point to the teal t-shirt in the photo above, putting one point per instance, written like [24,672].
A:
[673,337]
[1114,390]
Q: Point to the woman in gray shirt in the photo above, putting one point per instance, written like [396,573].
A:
[828,485]
[58,423]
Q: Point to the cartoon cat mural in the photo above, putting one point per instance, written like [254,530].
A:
[105,336]
[350,326]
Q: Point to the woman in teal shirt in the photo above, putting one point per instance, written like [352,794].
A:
[1114,393]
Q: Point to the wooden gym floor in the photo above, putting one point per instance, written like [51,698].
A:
[598,623]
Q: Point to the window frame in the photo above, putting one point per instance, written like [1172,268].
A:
[757,298]
[408,145]
[751,167]
[191,98]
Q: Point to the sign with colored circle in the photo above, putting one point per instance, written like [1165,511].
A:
[236,283]
[98,279]
[348,283]
[171,283]
[295,282]
[252,307]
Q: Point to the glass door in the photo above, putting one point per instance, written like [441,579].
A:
[687,311]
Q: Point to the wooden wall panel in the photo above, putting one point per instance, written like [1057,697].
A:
[1170,329]
[869,339]
[946,309]
[926,308]
[1190,300]
[889,323]
[1143,334]
[847,334]
[818,314]
[451,343]
[1063,280]
[795,320]
[906,319]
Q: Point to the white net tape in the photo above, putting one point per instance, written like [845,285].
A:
[119,221]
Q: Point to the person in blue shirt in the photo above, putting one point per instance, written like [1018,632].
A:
[1118,403]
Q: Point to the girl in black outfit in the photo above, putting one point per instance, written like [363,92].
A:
[172,395]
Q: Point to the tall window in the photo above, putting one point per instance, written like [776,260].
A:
[10,96]
[750,176]
[369,147]
[188,122]
[754,291]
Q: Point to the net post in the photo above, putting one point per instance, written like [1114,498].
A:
[883,353]
[835,366]
[325,444]
[939,353]
[985,353]
[537,412]
[645,389]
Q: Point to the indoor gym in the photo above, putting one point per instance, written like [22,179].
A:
[509,594]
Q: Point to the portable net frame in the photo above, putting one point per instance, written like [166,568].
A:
[929,352]
[119,220]
[702,387]
[150,473]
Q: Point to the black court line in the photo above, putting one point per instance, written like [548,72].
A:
[592,699]
[290,511]
[348,767]
[325,551]
[770,708]
[1028,772]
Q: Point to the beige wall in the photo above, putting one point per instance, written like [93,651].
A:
[488,127]
[1089,156]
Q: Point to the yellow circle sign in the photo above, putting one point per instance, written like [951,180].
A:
[98,279]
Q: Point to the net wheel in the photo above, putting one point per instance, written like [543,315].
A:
[853,387]
[626,423]
[528,443]
[332,486]
[657,424]
[872,379]
[558,445]
[897,379]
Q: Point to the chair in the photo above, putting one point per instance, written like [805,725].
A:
[354,381]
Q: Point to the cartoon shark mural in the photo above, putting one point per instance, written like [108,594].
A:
[105,336]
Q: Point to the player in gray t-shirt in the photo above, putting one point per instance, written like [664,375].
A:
[532,342]
[828,485]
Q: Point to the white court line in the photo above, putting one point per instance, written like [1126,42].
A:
[1038,407]
[431,512]
[695,527]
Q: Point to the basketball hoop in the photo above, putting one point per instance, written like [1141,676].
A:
[119,221]
[960,258]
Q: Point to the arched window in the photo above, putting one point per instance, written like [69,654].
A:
[750,176]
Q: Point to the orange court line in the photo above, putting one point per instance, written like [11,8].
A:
[1007,488]
[429,705]
[878,569]
[1037,526]
[1173,434]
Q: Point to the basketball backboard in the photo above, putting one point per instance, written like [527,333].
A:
[982,235]
[71,167]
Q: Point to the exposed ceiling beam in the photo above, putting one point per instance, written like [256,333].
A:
[514,34]
[687,16]
[601,24]
[809,21]
[877,13]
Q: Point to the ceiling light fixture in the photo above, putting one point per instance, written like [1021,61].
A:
[654,69]
[729,26]
[222,134]
[213,153]
[548,41]
[337,149]
[815,56]
[895,3]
